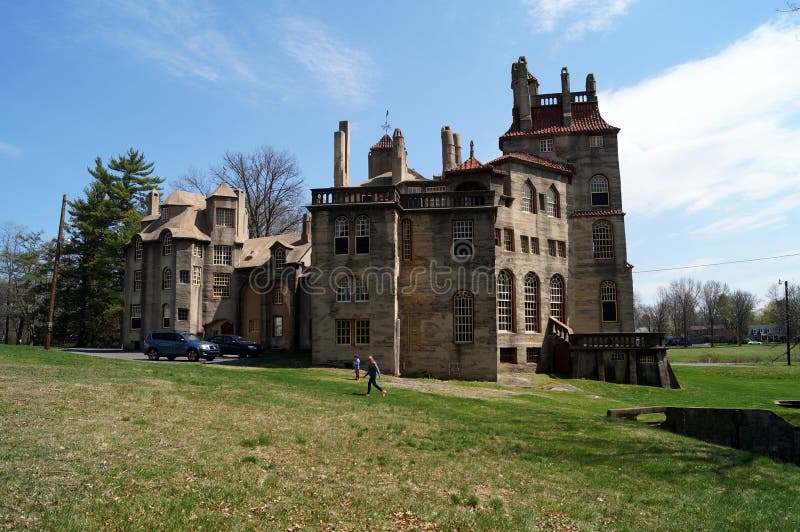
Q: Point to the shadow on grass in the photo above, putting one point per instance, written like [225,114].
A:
[270,359]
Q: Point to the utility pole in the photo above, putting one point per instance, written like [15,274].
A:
[55,275]
[788,336]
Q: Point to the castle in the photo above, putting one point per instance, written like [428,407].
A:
[449,276]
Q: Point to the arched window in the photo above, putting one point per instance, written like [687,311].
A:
[406,244]
[280,257]
[552,203]
[531,303]
[505,302]
[165,316]
[528,195]
[599,188]
[557,297]
[462,317]
[166,279]
[166,244]
[608,300]
[362,234]
[602,240]
[343,289]
[137,248]
[341,236]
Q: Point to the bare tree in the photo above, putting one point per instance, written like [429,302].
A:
[271,181]
[776,295]
[660,311]
[710,299]
[683,295]
[741,308]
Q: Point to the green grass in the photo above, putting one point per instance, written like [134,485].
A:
[91,443]
[725,353]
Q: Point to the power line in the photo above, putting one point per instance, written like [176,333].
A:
[719,263]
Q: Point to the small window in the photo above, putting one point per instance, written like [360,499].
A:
[224,217]
[562,248]
[277,326]
[136,316]
[343,289]
[341,236]
[197,250]
[552,199]
[223,255]
[617,356]
[535,245]
[599,187]
[183,314]
[551,248]
[166,279]
[164,214]
[546,145]
[462,317]
[406,240]
[647,360]
[533,354]
[166,244]
[508,355]
[508,239]
[222,285]
[362,234]
[342,332]
[280,258]
[137,249]
[595,141]
[183,276]
[252,326]
[542,202]
[497,238]
[462,239]
[602,240]
[137,280]
[523,244]
[165,317]
[362,293]
[362,332]
[608,300]
[197,275]
[277,294]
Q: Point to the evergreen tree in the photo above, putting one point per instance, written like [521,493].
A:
[101,223]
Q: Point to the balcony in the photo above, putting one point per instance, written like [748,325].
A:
[448,200]
[339,195]
[389,194]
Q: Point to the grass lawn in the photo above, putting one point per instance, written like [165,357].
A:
[726,353]
[92,443]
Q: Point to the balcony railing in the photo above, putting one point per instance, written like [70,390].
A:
[446,200]
[617,340]
[338,195]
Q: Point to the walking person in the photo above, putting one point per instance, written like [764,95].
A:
[373,373]
[357,367]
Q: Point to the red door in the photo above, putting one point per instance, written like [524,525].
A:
[561,358]
[227,328]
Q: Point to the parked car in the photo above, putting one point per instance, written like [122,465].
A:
[173,344]
[753,342]
[678,342]
[230,344]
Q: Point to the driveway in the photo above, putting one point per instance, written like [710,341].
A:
[137,356]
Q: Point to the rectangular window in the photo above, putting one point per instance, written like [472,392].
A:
[164,214]
[406,240]
[596,141]
[362,293]
[562,248]
[431,190]
[137,280]
[535,245]
[551,248]
[341,236]
[362,332]
[224,217]
[183,276]
[137,249]
[342,332]
[277,295]
[462,318]
[462,238]
[136,316]
[617,357]
[508,355]
[523,244]
[542,202]
[222,255]
[197,250]
[343,289]
[415,190]
[252,326]
[222,285]
[533,354]
[183,314]
[508,239]
[497,237]
[546,145]
[197,275]
[277,326]
[647,359]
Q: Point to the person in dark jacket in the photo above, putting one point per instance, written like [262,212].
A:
[373,373]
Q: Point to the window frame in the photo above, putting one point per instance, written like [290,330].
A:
[505,301]
[138,280]
[553,202]
[361,329]
[406,240]
[608,301]
[599,193]
[138,248]
[183,311]
[341,235]
[531,303]
[596,141]
[547,145]
[277,326]
[558,300]
[344,292]
[463,230]
[279,257]
[508,239]
[197,275]
[166,244]
[277,294]
[343,330]
[528,198]
[166,278]
[225,217]
[463,317]
[602,240]
[362,226]
[221,285]
[136,314]
[183,277]
[223,255]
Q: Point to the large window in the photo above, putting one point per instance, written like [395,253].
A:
[602,240]
[528,198]
[406,251]
[166,244]
[362,332]
[599,187]
[137,248]
[341,236]
[136,316]
[557,297]
[224,217]
[223,255]
[166,279]
[505,302]
[277,294]
[462,317]
[361,291]
[343,289]
[362,234]
[137,280]
[343,332]
[531,303]
[197,275]
[608,300]
[552,203]
[462,239]
[280,258]
[222,285]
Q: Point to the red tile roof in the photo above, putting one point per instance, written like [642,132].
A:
[384,144]
[470,164]
[548,120]
[598,212]
[533,159]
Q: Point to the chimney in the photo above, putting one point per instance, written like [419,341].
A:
[457,142]
[591,88]
[522,96]
[566,98]
[398,157]
[305,236]
[242,224]
[448,149]
[153,202]
[341,155]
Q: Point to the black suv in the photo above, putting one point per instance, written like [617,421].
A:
[230,344]
[173,344]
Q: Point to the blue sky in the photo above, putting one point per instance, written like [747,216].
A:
[705,94]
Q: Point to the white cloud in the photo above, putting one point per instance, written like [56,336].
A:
[344,71]
[717,137]
[9,149]
[579,16]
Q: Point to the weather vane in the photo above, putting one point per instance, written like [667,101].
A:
[386,125]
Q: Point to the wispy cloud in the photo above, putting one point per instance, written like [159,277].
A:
[716,137]
[575,17]
[344,71]
[10,149]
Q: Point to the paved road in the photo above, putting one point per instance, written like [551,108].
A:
[137,356]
